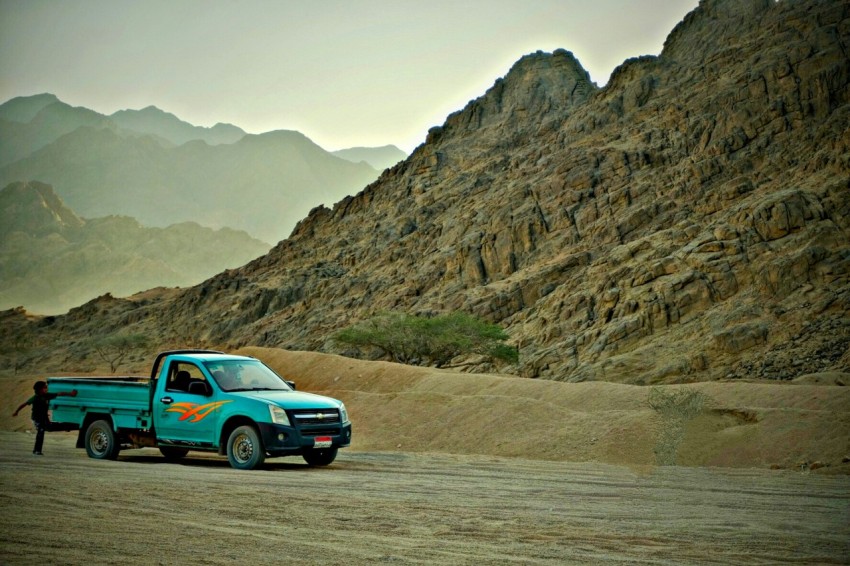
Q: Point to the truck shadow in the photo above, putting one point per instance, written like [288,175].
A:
[199,461]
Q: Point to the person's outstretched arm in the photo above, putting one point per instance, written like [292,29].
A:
[24,404]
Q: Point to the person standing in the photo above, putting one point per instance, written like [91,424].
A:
[40,417]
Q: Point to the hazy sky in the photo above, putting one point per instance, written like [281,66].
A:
[344,73]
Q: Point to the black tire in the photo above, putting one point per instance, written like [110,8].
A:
[323,457]
[101,443]
[173,453]
[245,449]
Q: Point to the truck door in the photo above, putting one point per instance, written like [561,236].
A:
[186,407]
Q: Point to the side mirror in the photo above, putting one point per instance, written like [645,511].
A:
[290,383]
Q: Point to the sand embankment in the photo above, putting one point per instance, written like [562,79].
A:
[413,409]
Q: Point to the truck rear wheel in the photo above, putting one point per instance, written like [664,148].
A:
[322,457]
[245,449]
[101,442]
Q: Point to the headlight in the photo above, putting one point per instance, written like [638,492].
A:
[278,415]
[343,414]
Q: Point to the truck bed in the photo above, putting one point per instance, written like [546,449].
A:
[126,399]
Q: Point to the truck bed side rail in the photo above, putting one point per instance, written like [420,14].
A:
[125,399]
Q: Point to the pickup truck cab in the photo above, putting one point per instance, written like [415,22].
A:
[203,400]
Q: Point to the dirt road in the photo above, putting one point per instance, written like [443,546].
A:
[404,508]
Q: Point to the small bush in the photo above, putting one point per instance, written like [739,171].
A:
[417,340]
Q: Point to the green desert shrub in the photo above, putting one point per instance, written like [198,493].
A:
[418,340]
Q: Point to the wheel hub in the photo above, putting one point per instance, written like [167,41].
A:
[99,442]
[244,448]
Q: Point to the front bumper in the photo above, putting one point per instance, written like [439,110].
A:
[280,440]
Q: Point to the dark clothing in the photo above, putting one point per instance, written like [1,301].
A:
[41,418]
[40,404]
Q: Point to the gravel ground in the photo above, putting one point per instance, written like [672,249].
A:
[406,508]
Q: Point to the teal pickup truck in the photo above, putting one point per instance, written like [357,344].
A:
[203,400]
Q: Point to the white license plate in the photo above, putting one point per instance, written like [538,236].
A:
[322,442]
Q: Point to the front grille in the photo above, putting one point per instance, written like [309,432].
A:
[316,416]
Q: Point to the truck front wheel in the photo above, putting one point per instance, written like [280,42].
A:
[245,448]
[101,442]
[320,457]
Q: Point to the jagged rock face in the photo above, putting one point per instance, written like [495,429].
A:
[688,221]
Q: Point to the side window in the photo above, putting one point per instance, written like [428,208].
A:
[181,376]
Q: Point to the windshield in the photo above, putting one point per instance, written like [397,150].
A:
[245,375]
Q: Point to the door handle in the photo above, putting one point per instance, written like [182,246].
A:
[166,400]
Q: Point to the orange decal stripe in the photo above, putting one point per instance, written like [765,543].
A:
[199,412]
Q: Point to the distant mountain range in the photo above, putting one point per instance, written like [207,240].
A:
[378,157]
[152,166]
[153,121]
[52,260]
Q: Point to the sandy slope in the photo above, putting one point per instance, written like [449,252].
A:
[410,409]
[396,407]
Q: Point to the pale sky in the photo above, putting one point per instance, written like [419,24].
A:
[344,73]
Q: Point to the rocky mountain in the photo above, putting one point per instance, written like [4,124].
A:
[688,221]
[35,210]
[52,260]
[378,157]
